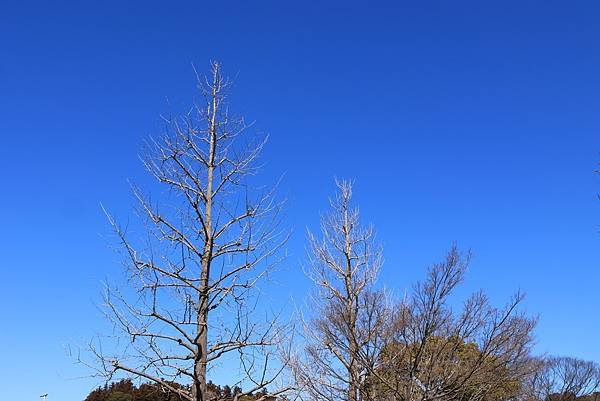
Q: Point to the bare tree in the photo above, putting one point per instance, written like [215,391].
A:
[433,353]
[348,314]
[565,379]
[207,244]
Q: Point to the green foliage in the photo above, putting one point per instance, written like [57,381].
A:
[456,367]
[119,396]
[125,390]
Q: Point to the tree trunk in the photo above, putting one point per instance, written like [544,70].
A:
[202,338]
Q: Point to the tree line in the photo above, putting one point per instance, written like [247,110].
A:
[126,390]
[194,300]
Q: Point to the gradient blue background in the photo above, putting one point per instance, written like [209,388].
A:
[460,121]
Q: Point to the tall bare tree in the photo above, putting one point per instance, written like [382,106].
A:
[433,353]
[348,314]
[207,244]
[565,379]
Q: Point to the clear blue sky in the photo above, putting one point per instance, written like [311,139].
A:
[459,122]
